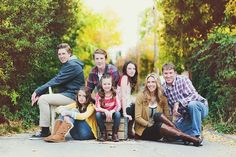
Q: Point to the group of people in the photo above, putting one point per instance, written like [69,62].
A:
[171,111]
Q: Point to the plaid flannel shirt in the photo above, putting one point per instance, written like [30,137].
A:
[182,91]
[93,80]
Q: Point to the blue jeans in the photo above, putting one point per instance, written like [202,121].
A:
[62,118]
[101,117]
[81,129]
[192,124]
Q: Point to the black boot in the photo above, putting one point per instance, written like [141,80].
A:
[131,134]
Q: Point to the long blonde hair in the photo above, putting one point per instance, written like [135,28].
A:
[158,92]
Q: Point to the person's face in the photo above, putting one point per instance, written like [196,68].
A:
[151,84]
[106,84]
[131,70]
[63,55]
[81,97]
[100,60]
[169,75]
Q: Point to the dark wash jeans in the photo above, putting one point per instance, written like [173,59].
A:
[101,118]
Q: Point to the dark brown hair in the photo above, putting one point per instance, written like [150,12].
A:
[80,106]
[132,80]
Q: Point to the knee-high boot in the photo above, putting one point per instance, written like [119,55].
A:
[168,131]
[56,127]
[130,129]
[61,132]
[165,120]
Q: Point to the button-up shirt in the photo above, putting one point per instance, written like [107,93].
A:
[182,91]
[93,79]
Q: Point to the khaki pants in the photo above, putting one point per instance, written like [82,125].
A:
[44,103]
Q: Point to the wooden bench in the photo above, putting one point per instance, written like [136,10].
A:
[123,129]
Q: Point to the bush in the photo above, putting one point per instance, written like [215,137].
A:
[214,74]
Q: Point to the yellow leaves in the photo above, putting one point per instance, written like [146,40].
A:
[230,8]
[206,11]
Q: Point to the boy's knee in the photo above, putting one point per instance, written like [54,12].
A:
[192,105]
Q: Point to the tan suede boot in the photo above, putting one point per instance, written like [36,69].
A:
[61,132]
[56,127]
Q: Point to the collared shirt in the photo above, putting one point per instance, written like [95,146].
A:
[182,91]
[93,79]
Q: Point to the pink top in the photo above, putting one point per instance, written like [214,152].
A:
[109,104]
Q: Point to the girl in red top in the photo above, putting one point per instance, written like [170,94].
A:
[107,107]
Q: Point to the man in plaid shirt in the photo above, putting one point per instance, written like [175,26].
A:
[100,69]
[187,106]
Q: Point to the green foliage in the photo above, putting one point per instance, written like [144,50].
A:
[30,31]
[214,74]
[186,25]
[225,128]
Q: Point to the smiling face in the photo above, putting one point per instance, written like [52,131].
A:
[100,60]
[131,70]
[63,55]
[81,97]
[107,84]
[169,76]
[151,84]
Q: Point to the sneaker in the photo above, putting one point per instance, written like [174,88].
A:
[39,135]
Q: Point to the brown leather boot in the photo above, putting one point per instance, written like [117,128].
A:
[168,131]
[103,136]
[61,132]
[56,127]
[115,137]
[165,120]
[131,134]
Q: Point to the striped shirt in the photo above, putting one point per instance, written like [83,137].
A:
[109,104]
[93,79]
[182,91]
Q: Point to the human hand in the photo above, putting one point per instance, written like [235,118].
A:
[175,110]
[34,98]
[128,116]
[67,113]
[108,116]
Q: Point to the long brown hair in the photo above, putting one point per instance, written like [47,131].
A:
[101,91]
[158,92]
[132,80]
[87,102]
